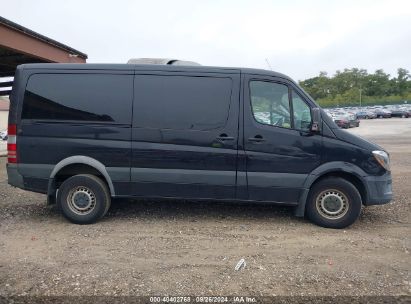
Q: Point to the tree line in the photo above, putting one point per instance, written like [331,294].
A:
[356,86]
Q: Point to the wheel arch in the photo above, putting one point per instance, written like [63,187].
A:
[352,178]
[347,171]
[84,164]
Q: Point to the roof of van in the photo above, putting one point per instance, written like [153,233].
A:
[149,67]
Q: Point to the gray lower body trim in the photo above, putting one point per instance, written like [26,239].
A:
[182,176]
[212,177]
[300,209]
[14,177]
[281,180]
[119,174]
[35,170]
[45,170]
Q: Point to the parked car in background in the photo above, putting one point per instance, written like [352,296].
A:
[354,121]
[382,113]
[366,115]
[342,121]
[3,134]
[400,113]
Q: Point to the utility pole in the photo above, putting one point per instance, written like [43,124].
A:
[360,97]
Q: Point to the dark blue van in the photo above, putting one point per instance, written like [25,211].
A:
[86,133]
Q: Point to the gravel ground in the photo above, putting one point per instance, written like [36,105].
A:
[183,248]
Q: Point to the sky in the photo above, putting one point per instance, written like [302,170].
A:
[297,38]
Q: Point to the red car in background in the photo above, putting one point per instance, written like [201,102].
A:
[342,121]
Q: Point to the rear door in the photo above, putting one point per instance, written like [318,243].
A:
[280,150]
[185,134]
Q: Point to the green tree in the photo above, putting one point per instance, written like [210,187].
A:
[378,84]
[318,87]
[349,79]
[345,87]
[402,81]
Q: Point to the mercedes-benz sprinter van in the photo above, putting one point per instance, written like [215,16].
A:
[86,133]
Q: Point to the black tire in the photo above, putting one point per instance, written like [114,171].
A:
[92,202]
[339,193]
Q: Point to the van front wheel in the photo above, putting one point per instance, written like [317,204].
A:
[333,203]
[83,198]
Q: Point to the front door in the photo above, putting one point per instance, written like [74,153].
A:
[279,148]
[185,134]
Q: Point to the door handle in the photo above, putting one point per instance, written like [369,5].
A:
[256,139]
[224,137]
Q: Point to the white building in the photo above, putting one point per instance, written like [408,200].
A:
[4,112]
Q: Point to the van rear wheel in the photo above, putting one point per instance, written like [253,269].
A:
[333,203]
[83,198]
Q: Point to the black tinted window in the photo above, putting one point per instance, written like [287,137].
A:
[181,102]
[85,97]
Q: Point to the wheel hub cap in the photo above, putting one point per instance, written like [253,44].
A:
[81,200]
[332,204]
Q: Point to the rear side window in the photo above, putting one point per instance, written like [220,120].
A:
[83,97]
[181,102]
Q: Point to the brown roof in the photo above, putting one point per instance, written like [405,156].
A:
[20,45]
[25,30]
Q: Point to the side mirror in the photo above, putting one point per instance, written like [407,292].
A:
[316,120]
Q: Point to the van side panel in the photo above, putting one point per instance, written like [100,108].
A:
[73,119]
[184,150]
[42,145]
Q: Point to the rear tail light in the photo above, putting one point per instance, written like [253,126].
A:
[12,144]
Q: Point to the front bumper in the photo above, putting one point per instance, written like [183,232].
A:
[379,189]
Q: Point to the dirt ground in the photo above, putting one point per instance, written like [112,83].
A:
[182,248]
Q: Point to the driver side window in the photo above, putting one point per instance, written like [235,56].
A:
[270,103]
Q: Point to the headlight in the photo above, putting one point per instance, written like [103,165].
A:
[383,159]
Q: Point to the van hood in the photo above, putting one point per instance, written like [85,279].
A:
[356,140]
[347,136]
